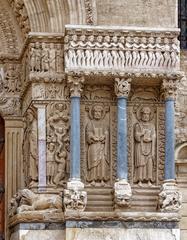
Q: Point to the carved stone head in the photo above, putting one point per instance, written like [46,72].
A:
[145,114]
[97,112]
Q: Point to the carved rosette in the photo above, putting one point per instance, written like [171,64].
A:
[75,199]
[123,193]
[122,87]
[76,85]
[170,198]
[169,88]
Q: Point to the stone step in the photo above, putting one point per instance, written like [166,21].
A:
[100,198]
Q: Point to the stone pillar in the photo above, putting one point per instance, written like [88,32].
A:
[169,197]
[74,197]
[14,178]
[42,152]
[122,188]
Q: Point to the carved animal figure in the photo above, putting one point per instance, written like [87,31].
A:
[35,202]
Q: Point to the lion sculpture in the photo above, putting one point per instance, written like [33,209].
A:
[30,201]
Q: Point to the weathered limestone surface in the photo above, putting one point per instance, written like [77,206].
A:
[155,13]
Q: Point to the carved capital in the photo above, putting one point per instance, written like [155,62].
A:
[76,85]
[75,199]
[122,193]
[170,198]
[122,87]
[169,88]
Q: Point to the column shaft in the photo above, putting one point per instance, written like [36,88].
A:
[170,139]
[75,138]
[122,162]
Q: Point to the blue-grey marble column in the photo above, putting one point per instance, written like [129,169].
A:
[122,88]
[170,139]
[75,138]
[169,88]
[75,89]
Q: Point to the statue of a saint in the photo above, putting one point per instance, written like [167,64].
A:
[97,138]
[30,149]
[144,148]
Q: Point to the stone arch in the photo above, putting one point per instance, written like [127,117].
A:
[181,160]
[52,15]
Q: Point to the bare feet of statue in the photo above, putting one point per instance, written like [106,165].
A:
[140,184]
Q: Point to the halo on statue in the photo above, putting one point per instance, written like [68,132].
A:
[147,108]
[90,110]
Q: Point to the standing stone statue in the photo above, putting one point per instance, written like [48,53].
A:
[30,150]
[144,148]
[97,138]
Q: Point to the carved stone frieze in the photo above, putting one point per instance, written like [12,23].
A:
[12,83]
[58,144]
[30,149]
[116,50]
[75,198]
[169,88]
[27,201]
[45,60]
[170,198]
[122,87]
[98,93]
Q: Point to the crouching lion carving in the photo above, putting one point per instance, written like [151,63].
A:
[25,200]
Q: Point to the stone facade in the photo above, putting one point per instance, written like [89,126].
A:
[92,97]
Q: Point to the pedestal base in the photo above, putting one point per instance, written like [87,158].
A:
[121,230]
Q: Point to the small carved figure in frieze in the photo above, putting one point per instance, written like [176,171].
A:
[107,58]
[51,163]
[151,53]
[37,54]
[59,58]
[98,58]
[80,52]
[128,52]
[135,52]
[61,168]
[114,52]
[175,53]
[167,56]
[144,147]
[89,53]
[121,57]
[30,152]
[12,81]
[97,138]
[158,53]
[52,58]
[45,58]
[143,52]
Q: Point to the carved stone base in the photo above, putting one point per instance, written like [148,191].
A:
[170,198]
[122,194]
[75,198]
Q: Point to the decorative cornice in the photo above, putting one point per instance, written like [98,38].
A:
[124,216]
